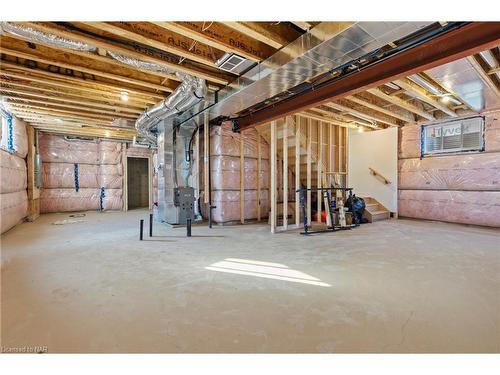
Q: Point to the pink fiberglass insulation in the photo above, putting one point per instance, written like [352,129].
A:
[110,176]
[475,171]
[62,175]
[14,208]
[225,174]
[64,200]
[409,141]
[98,166]
[467,207]
[12,172]
[19,138]
[492,131]
[223,141]
[225,171]
[228,205]
[56,149]
[110,152]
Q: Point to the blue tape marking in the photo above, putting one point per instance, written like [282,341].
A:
[10,135]
[77,184]
[101,199]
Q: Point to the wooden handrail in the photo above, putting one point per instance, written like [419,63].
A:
[375,173]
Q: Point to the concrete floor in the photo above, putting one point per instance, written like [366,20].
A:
[391,286]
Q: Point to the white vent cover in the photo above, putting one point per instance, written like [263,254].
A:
[233,63]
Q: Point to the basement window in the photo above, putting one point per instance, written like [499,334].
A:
[453,136]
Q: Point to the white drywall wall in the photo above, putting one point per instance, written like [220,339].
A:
[378,150]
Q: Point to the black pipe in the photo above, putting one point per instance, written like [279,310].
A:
[150,225]
[189,227]
[209,210]
[209,183]
[141,229]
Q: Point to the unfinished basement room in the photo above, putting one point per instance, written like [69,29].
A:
[250,187]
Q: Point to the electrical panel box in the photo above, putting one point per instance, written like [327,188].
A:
[184,201]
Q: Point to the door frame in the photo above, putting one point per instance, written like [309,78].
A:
[125,180]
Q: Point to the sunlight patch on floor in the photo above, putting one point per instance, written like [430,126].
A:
[266,270]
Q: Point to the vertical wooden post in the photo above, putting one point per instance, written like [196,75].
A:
[259,171]
[206,158]
[346,153]
[319,183]
[285,172]
[309,151]
[273,176]
[125,178]
[330,150]
[242,180]
[341,178]
[297,170]
[33,191]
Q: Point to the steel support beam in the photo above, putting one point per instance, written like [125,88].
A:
[453,45]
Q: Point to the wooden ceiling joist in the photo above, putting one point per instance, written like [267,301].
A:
[363,115]
[482,68]
[221,37]
[150,57]
[60,112]
[74,83]
[72,97]
[422,94]
[100,73]
[51,105]
[50,124]
[343,118]
[275,35]
[84,132]
[83,103]
[401,103]
[162,39]
[314,116]
[303,25]
[31,116]
[36,83]
[450,93]
[378,108]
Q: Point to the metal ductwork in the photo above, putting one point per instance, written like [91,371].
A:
[191,91]
[43,37]
[323,48]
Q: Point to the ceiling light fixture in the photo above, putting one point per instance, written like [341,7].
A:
[124,96]
[445,99]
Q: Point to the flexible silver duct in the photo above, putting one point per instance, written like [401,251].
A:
[191,91]
[141,64]
[43,37]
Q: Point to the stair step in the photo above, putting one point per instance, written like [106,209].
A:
[380,215]
[380,212]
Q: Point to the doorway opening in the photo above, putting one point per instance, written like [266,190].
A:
[137,183]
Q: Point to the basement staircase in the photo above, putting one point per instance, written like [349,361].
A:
[374,210]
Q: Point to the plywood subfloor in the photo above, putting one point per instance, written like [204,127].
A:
[391,286]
